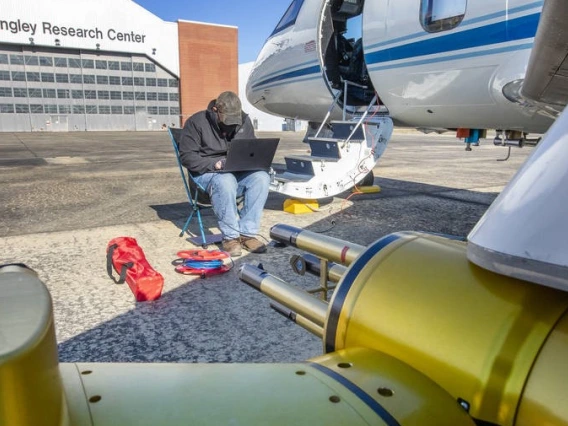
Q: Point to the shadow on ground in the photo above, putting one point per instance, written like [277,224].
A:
[239,326]
[178,213]
[182,326]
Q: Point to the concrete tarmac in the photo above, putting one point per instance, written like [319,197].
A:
[64,196]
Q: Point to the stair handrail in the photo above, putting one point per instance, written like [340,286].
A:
[363,116]
[335,99]
[346,84]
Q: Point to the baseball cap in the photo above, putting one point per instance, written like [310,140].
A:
[229,108]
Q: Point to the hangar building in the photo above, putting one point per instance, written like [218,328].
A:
[74,65]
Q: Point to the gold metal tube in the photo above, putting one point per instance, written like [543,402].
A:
[293,298]
[310,326]
[300,320]
[334,271]
[329,248]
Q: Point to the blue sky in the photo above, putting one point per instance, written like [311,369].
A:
[255,18]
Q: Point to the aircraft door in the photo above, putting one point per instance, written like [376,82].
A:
[341,50]
[374,28]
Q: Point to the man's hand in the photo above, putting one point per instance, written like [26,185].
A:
[220,165]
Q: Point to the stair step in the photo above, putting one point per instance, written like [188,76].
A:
[320,139]
[334,163]
[373,110]
[329,140]
[371,117]
[343,122]
[292,177]
[324,147]
[311,158]
[342,130]
[299,165]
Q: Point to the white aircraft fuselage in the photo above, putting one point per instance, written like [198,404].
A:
[465,65]
[433,64]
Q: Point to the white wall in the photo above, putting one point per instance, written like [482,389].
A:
[115,25]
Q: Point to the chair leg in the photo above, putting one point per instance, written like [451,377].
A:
[184,229]
[204,245]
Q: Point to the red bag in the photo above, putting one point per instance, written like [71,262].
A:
[128,259]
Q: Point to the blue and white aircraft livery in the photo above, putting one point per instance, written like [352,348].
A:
[433,63]
[356,68]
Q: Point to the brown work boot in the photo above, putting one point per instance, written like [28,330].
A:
[252,244]
[233,247]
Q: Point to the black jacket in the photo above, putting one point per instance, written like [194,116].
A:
[202,144]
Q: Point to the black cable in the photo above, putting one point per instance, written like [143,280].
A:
[253,236]
[333,223]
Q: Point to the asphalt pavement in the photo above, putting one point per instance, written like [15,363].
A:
[64,196]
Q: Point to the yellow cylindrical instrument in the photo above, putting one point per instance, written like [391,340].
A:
[414,334]
[355,387]
[476,333]
[545,396]
[31,391]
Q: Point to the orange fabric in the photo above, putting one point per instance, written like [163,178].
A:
[144,281]
[203,254]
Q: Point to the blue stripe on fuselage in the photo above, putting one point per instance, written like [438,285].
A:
[500,32]
[505,31]
[464,23]
[455,57]
[293,74]
[507,12]
[295,67]
[316,76]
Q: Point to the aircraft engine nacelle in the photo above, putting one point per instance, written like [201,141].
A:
[498,345]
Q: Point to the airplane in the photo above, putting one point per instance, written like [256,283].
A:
[420,329]
[464,65]
[435,65]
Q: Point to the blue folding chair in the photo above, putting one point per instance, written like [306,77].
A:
[198,198]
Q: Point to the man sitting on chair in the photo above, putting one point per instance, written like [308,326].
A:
[203,151]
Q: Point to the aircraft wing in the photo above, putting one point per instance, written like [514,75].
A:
[546,79]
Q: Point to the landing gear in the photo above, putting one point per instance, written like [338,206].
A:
[368,180]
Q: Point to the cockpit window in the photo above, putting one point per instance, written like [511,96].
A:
[289,17]
[441,15]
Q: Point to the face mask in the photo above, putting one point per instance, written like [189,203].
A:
[227,129]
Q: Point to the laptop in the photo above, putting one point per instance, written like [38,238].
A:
[250,154]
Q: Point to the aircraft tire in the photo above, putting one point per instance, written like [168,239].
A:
[368,180]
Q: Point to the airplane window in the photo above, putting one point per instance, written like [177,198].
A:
[441,15]
[289,17]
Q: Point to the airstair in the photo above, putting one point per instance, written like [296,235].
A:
[342,153]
